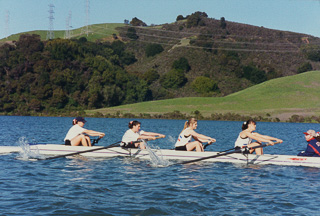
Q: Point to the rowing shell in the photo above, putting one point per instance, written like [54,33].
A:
[57,149]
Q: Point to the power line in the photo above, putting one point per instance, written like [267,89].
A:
[7,22]
[286,34]
[210,38]
[50,32]
[281,47]
[85,29]
[68,33]
[224,48]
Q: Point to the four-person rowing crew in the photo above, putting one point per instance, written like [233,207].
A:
[188,139]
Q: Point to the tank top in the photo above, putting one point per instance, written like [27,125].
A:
[182,139]
[240,142]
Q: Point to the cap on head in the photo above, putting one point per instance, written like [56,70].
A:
[310,132]
[81,119]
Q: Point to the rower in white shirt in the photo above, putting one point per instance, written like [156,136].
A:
[77,135]
[134,133]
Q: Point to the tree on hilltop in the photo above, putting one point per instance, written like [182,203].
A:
[196,19]
[223,23]
[180,17]
[137,22]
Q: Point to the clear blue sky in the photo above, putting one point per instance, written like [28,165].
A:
[301,16]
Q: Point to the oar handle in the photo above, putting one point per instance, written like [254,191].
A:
[264,145]
[268,144]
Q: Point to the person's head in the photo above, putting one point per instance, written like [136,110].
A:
[193,123]
[248,124]
[310,134]
[134,125]
[79,120]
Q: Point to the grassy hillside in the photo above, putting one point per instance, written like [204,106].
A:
[169,61]
[225,55]
[281,98]
[96,32]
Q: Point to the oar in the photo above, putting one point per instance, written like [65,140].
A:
[227,153]
[81,152]
[90,150]
[209,143]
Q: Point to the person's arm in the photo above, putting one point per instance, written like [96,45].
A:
[94,133]
[262,138]
[201,137]
[270,138]
[153,134]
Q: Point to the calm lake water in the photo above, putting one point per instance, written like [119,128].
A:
[124,186]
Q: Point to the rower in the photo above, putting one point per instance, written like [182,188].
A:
[184,140]
[77,135]
[246,136]
[313,147]
[135,133]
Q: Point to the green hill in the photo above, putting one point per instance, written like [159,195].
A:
[95,32]
[197,64]
[280,98]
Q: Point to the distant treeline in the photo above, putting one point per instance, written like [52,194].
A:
[215,117]
[59,74]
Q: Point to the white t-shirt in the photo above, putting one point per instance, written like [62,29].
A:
[182,139]
[129,136]
[74,131]
[240,142]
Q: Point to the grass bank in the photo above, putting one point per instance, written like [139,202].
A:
[278,98]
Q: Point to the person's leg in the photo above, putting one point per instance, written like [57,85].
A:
[195,145]
[259,151]
[76,140]
[81,140]
[86,141]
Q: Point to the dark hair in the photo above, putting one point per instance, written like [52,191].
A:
[133,123]
[78,119]
[317,137]
[245,124]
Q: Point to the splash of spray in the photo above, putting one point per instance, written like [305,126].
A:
[156,160]
[26,153]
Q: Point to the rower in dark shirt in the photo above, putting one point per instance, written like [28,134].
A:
[313,147]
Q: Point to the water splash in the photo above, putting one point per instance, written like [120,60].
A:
[156,160]
[26,153]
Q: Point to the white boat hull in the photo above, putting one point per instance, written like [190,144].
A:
[56,149]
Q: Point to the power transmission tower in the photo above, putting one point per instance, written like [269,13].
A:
[85,29]
[68,33]
[50,33]
[7,29]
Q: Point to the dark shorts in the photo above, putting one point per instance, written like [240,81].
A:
[67,142]
[131,145]
[181,148]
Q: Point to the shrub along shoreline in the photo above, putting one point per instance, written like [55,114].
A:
[175,115]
